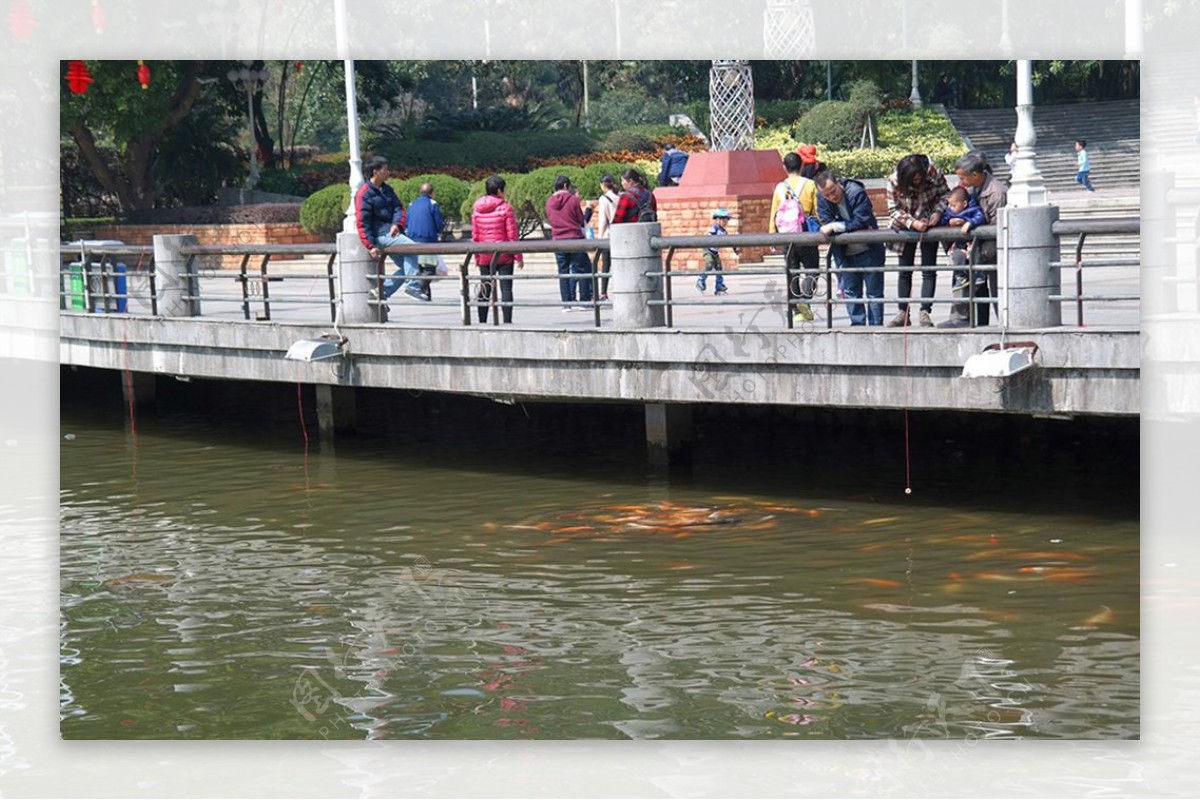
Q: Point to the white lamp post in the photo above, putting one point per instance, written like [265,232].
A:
[248,79]
[356,177]
[1027,187]
[914,96]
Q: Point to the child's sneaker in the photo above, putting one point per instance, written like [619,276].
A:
[804,313]
[720,290]
[700,286]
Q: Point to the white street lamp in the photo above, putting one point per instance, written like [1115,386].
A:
[1026,185]
[349,224]
[914,96]
[247,79]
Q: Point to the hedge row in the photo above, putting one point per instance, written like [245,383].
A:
[323,211]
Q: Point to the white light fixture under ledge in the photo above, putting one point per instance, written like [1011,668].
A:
[321,349]
[1001,360]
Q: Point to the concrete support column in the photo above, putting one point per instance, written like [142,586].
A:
[172,281]
[336,410]
[138,388]
[668,434]
[1159,295]
[1026,246]
[630,289]
[354,268]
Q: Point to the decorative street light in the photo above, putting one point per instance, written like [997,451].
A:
[731,105]
[247,80]
[356,176]
[914,96]
[1026,186]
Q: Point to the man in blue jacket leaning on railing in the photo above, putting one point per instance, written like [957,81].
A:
[844,207]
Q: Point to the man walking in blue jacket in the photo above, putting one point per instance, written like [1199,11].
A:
[425,225]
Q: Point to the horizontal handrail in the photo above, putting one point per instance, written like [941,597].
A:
[1074,227]
[939,234]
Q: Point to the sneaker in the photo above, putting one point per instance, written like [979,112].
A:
[925,321]
[373,297]
[803,313]
[899,321]
[955,322]
[720,290]
[603,298]
[416,294]
[700,287]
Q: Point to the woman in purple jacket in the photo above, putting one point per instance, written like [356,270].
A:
[565,215]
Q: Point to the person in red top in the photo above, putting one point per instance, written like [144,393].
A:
[636,203]
[565,216]
[493,220]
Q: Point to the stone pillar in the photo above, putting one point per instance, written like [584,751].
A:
[1158,226]
[172,282]
[354,268]
[668,434]
[138,388]
[336,409]
[1026,246]
[630,289]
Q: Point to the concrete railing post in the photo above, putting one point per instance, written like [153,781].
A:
[1026,245]
[630,289]
[172,282]
[354,268]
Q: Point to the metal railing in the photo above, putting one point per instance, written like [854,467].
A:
[256,288]
[829,273]
[1083,229]
[490,297]
[97,279]
[257,297]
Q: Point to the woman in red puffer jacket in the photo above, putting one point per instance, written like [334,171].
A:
[493,220]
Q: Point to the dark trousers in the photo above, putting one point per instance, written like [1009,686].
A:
[604,260]
[803,264]
[570,287]
[985,286]
[908,255]
[485,290]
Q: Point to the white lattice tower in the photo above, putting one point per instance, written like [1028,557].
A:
[788,29]
[731,106]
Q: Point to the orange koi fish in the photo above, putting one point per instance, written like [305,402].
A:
[1105,616]
[882,583]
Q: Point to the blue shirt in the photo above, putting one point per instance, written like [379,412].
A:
[1082,157]
[424,223]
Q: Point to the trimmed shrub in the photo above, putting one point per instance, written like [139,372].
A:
[448,191]
[834,125]
[280,181]
[589,181]
[322,211]
[538,185]
[620,108]
[476,191]
[624,139]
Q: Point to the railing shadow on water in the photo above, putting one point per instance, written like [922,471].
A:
[123,279]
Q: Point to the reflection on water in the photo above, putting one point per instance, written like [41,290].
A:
[468,582]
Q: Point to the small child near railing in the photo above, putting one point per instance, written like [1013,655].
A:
[712,257]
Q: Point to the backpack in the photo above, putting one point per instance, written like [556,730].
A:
[646,212]
[789,218]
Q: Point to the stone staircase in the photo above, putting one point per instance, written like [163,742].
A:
[1111,129]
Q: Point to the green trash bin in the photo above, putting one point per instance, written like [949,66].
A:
[71,295]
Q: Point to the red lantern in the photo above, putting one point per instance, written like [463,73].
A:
[20,20]
[78,77]
[143,75]
[299,66]
[97,16]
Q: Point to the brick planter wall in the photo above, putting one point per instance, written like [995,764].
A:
[215,235]
[693,217]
